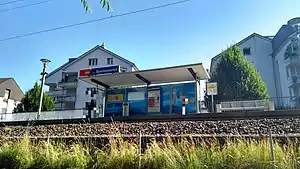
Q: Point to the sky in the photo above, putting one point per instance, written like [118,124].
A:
[191,32]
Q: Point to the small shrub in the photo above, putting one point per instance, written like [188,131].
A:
[16,155]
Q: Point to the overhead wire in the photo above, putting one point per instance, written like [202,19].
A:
[95,20]
[10,2]
[25,6]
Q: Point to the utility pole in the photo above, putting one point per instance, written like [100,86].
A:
[45,62]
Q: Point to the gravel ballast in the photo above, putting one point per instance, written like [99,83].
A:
[229,127]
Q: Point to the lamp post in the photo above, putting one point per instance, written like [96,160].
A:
[45,62]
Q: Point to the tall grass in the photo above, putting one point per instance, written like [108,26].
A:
[166,154]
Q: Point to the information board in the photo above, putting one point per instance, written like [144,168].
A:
[212,88]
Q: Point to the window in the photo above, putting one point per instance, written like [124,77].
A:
[110,61]
[92,89]
[123,69]
[247,51]
[7,94]
[93,62]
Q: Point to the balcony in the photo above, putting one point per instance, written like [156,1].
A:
[59,105]
[68,84]
[294,81]
[57,92]
[65,98]
[292,54]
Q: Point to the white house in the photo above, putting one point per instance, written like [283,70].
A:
[277,60]
[10,95]
[69,91]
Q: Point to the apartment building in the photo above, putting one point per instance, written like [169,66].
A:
[277,60]
[10,95]
[72,93]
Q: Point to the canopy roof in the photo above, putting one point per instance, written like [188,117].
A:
[181,73]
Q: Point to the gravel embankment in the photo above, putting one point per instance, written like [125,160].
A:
[234,127]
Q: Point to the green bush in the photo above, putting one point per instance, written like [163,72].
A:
[184,154]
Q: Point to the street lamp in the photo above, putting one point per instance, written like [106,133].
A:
[45,62]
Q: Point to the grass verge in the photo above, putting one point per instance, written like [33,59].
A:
[166,154]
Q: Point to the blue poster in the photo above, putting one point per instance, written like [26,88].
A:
[165,99]
[181,91]
[114,107]
[136,98]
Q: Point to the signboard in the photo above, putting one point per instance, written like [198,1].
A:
[105,70]
[212,88]
[85,72]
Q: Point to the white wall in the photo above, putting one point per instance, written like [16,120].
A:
[54,78]
[261,58]
[81,96]
[10,105]
[102,61]
[284,83]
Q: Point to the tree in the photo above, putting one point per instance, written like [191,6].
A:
[30,103]
[237,78]
[104,3]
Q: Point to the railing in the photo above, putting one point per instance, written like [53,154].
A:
[70,98]
[294,79]
[49,115]
[69,83]
[57,92]
[248,105]
[280,103]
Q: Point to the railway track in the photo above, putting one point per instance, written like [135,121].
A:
[167,117]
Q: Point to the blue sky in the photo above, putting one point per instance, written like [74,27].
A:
[186,33]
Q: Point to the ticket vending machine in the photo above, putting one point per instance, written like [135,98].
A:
[154,101]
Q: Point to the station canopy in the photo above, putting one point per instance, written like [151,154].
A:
[181,73]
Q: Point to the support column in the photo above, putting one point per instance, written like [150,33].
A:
[146,93]
[197,94]
[104,102]
[200,111]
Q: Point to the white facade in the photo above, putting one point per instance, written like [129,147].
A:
[10,95]
[287,62]
[70,93]
[277,60]
[7,105]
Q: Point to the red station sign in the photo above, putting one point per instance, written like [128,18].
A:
[85,72]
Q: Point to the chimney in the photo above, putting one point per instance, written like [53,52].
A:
[103,46]
[72,59]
